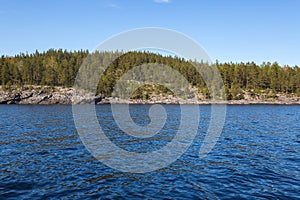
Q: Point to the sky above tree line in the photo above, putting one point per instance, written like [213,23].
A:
[233,30]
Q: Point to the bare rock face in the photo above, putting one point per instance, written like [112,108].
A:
[37,95]
[59,95]
[46,95]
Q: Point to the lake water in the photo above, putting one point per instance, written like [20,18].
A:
[257,156]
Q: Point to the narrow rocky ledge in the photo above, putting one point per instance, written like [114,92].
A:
[59,95]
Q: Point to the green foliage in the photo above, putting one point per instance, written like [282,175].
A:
[298,92]
[59,68]
[54,67]
[205,92]
[146,91]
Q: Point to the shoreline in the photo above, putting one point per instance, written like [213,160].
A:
[44,95]
[199,104]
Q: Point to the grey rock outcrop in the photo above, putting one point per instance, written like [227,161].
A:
[59,95]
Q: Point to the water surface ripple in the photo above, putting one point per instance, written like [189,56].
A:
[257,156]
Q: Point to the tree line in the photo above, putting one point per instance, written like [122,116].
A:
[60,67]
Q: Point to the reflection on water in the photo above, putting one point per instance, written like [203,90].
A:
[256,156]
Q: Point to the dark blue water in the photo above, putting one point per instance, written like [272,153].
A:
[257,156]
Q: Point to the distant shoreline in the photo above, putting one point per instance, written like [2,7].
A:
[209,103]
[145,103]
[45,95]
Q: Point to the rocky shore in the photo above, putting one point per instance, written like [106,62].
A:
[58,95]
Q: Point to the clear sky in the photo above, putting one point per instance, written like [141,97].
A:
[229,30]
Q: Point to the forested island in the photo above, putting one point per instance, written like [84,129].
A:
[48,78]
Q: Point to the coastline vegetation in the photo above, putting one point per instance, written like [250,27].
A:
[59,68]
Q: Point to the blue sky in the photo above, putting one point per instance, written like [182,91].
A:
[229,30]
